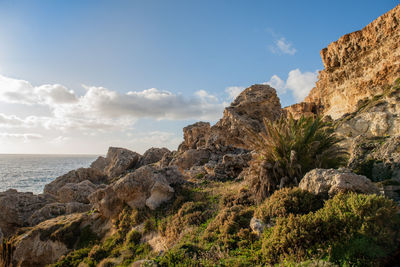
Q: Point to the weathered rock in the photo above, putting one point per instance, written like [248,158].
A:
[146,186]
[44,243]
[117,161]
[247,111]
[17,208]
[230,167]
[328,182]
[301,109]
[257,226]
[378,158]
[190,158]
[79,192]
[358,65]
[153,155]
[195,136]
[76,176]
[53,210]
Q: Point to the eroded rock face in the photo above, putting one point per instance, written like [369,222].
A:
[53,210]
[190,158]
[147,186]
[359,65]
[328,182]
[195,136]
[230,167]
[116,162]
[76,192]
[44,243]
[17,208]
[248,110]
[153,155]
[74,177]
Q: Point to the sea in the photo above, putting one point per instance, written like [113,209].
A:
[30,173]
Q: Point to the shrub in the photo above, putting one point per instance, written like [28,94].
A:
[288,201]
[345,230]
[288,148]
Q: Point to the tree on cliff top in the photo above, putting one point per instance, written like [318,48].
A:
[287,149]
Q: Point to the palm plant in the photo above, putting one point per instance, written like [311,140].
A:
[287,148]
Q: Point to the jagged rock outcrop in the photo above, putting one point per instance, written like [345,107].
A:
[358,65]
[46,242]
[302,109]
[195,136]
[77,192]
[328,182]
[74,177]
[153,155]
[247,111]
[116,162]
[190,158]
[147,186]
[53,210]
[16,208]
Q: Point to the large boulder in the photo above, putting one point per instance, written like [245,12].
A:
[53,210]
[231,166]
[79,192]
[17,208]
[247,111]
[116,162]
[153,155]
[190,158]
[328,182]
[47,242]
[75,176]
[147,186]
[195,136]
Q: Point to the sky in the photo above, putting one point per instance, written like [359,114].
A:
[79,76]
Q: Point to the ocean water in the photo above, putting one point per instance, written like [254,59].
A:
[30,173]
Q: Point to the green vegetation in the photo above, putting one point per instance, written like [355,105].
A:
[289,148]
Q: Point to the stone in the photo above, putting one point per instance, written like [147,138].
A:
[195,136]
[147,186]
[190,158]
[358,65]
[247,111]
[75,176]
[18,207]
[1,236]
[144,263]
[53,210]
[328,182]
[45,243]
[231,166]
[76,192]
[117,161]
[257,226]
[153,155]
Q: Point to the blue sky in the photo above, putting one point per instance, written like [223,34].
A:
[190,51]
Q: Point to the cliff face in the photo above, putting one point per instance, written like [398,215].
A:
[358,65]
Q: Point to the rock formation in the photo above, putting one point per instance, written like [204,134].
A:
[330,182]
[358,65]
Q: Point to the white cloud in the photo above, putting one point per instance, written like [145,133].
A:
[283,46]
[299,83]
[234,91]
[26,137]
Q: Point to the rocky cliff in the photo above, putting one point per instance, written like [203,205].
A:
[358,65]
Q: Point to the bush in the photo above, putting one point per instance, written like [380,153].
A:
[288,201]
[345,230]
[289,148]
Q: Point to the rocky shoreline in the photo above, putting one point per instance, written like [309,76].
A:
[359,97]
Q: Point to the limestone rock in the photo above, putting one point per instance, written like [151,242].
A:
[328,182]
[44,243]
[76,192]
[190,158]
[301,109]
[117,161]
[146,186]
[17,208]
[76,176]
[248,110]
[358,65]
[53,210]
[153,155]
[195,136]
[231,166]
[257,226]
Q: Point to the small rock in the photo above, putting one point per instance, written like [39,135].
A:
[257,226]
